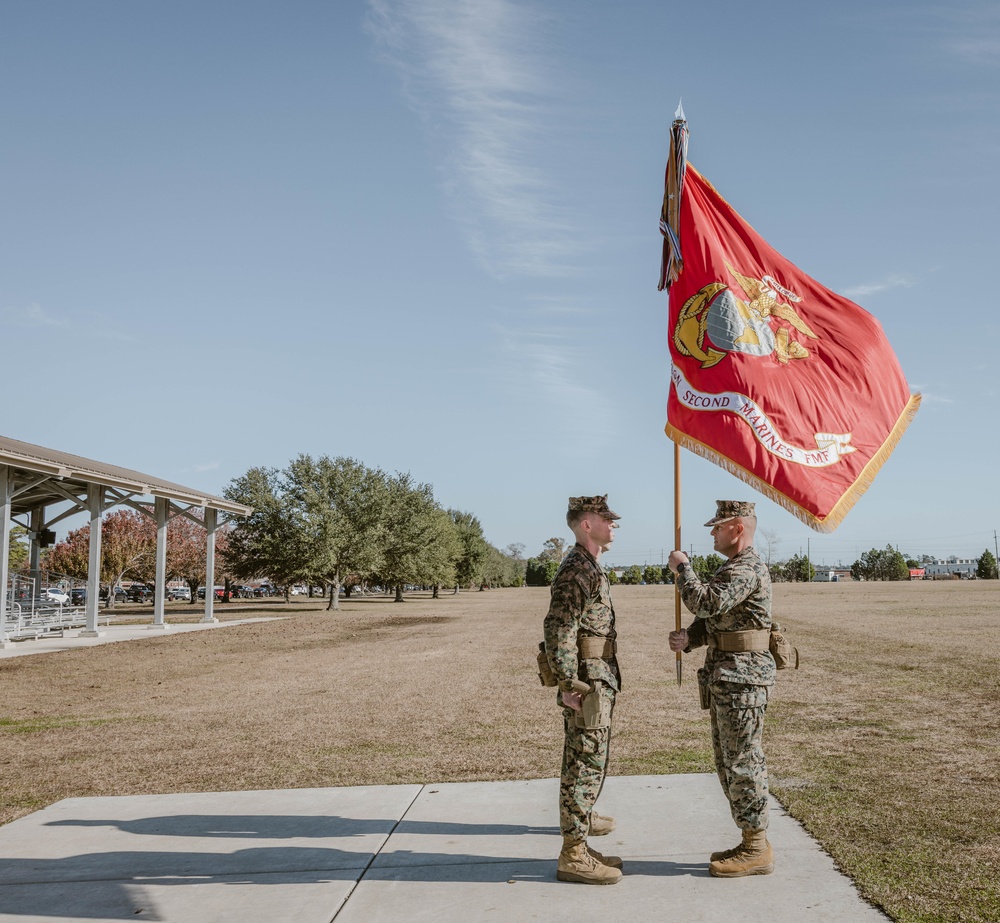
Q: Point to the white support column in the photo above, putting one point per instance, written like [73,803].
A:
[211,521]
[95,506]
[5,509]
[161,564]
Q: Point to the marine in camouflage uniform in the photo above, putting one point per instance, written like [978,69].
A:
[581,608]
[736,599]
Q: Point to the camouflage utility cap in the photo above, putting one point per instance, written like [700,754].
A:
[730,509]
[592,505]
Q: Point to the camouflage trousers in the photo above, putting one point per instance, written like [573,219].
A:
[737,712]
[584,766]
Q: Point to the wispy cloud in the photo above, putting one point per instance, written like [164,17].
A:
[549,367]
[873,288]
[88,325]
[478,71]
[976,49]
[32,315]
[970,32]
[206,466]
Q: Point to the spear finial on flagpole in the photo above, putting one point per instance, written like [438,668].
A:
[679,114]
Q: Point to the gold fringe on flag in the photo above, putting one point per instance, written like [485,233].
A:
[843,505]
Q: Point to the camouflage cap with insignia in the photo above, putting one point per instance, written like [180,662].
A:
[730,509]
[592,505]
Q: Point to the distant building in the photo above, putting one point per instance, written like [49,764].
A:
[827,573]
[953,566]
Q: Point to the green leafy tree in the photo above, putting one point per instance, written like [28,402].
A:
[270,541]
[514,553]
[612,577]
[501,570]
[876,564]
[705,567]
[632,575]
[473,551]
[799,569]
[17,557]
[986,566]
[540,573]
[652,574]
[868,566]
[338,507]
[554,549]
[666,574]
[416,537]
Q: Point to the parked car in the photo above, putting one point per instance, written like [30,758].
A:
[55,595]
[78,596]
[179,592]
[120,594]
[139,593]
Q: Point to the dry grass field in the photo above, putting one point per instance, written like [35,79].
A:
[885,744]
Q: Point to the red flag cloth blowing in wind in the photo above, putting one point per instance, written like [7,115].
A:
[786,384]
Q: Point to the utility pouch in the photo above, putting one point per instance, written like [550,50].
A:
[704,693]
[781,649]
[596,711]
[545,673]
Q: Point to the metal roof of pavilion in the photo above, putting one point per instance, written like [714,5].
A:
[76,472]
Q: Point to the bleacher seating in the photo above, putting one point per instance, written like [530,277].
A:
[39,618]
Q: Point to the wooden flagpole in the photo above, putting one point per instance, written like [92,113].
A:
[677,545]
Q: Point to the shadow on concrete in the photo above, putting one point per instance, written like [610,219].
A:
[285,826]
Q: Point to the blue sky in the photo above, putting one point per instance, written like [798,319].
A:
[424,235]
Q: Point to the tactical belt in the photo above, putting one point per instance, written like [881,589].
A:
[738,642]
[596,648]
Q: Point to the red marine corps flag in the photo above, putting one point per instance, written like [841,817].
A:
[786,384]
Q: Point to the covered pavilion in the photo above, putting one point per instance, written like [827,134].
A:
[41,487]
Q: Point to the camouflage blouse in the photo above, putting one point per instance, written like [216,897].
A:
[580,605]
[737,598]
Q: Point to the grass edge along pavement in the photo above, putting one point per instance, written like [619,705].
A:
[884,745]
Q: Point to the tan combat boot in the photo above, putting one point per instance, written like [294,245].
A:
[753,856]
[577,864]
[726,853]
[614,862]
[600,825]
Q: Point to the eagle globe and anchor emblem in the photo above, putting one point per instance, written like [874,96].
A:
[715,322]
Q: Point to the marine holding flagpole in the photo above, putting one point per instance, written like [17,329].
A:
[733,617]
[793,389]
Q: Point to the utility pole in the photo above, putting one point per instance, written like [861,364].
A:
[996,554]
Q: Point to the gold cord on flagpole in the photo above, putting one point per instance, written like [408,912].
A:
[677,544]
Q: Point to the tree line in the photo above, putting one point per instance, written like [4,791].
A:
[330,522]
[891,564]
[334,522]
[541,569]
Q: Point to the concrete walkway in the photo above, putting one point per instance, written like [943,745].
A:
[109,634]
[451,852]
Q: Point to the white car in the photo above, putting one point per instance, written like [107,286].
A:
[179,592]
[55,595]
